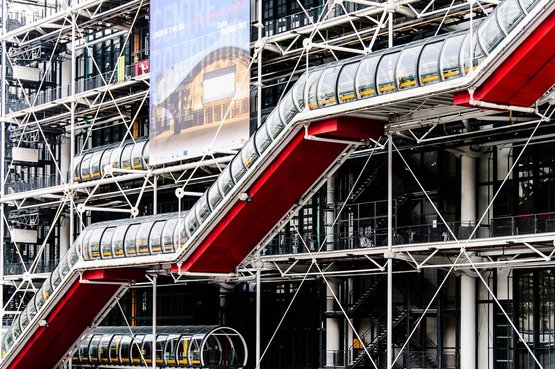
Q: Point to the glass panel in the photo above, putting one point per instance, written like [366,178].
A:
[428,68]
[287,108]
[63,267]
[298,92]
[182,352]
[105,160]
[274,125]
[212,352]
[93,348]
[142,238]
[214,195]
[237,168]
[85,167]
[225,183]
[115,347]
[202,209]
[527,4]
[147,349]
[156,237]
[346,83]
[407,67]
[365,78]
[167,235]
[385,78]
[146,154]
[85,246]
[179,234]
[117,240]
[55,279]
[191,223]
[194,352]
[450,66]
[83,352]
[313,78]
[490,33]
[136,354]
[327,86]
[465,53]
[136,155]
[94,243]
[115,157]
[104,350]
[170,350]
[126,343]
[31,308]
[160,345]
[509,14]
[95,164]
[106,243]
[126,156]
[248,153]
[130,249]
[77,168]
[23,320]
[262,139]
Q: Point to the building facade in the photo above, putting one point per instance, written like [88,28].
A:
[426,241]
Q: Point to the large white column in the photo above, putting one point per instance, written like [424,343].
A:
[333,333]
[468,190]
[64,235]
[468,323]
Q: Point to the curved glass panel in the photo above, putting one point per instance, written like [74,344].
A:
[262,139]
[141,241]
[85,245]
[85,167]
[225,182]
[509,14]
[327,86]
[146,154]
[298,92]
[365,81]
[527,4]
[136,346]
[214,196]
[450,57]
[147,349]
[94,243]
[115,348]
[106,243]
[179,234]
[93,348]
[191,223]
[237,168]
[385,77]
[202,208]
[130,249]
[55,278]
[104,349]
[125,351]
[126,156]
[95,164]
[156,237]
[312,86]
[115,157]
[137,155]
[63,267]
[117,240]
[77,168]
[287,108]
[407,67]
[105,160]
[346,83]
[274,124]
[428,67]
[170,349]
[249,153]
[23,320]
[490,33]
[167,235]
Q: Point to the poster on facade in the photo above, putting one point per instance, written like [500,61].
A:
[199,77]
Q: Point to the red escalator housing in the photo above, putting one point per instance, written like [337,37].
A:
[526,73]
[70,318]
[275,191]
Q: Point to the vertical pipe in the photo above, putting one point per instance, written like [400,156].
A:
[260,26]
[2,162]
[155,195]
[390,22]
[330,214]
[258,294]
[154,304]
[72,125]
[390,252]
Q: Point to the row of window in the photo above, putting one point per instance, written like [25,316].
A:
[127,155]
[193,346]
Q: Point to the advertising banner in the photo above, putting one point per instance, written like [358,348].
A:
[199,77]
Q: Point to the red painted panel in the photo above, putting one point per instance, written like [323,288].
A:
[525,75]
[283,183]
[70,317]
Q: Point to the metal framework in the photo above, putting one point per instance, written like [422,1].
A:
[334,31]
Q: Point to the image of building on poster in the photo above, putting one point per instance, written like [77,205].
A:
[199,68]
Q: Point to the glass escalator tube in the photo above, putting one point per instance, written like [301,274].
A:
[450,57]
[326,92]
[249,153]
[137,161]
[346,91]
[509,14]
[407,67]
[106,243]
[129,242]
[168,243]
[155,238]
[365,80]
[428,63]
[202,208]
[238,168]
[118,240]
[77,168]
[312,86]
[142,238]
